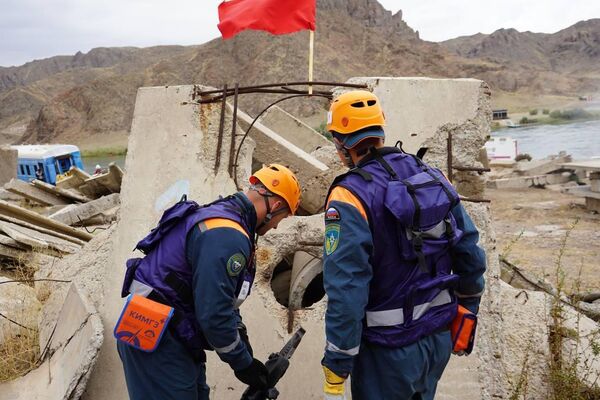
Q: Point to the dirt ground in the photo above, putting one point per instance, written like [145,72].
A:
[536,221]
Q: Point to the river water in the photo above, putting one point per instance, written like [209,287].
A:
[89,163]
[580,139]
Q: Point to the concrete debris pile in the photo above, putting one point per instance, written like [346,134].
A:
[439,116]
[535,173]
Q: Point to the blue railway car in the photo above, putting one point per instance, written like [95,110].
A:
[46,162]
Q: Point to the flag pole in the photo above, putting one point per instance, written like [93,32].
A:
[311,56]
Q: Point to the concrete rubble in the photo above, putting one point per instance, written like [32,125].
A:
[79,214]
[68,355]
[422,112]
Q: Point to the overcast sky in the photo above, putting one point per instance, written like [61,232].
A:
[35,29]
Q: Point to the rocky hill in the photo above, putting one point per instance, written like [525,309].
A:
[565,62]
[92,95]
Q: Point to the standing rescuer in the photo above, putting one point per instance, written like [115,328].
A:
[400,258]
[185,293]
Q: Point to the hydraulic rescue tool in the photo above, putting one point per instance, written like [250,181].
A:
[277,365]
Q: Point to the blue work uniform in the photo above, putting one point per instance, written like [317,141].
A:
[409,371]
[215,248]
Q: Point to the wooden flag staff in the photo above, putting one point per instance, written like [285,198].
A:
[311,56]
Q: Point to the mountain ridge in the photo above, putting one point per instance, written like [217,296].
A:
[92,95]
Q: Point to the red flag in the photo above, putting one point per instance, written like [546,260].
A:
[275,16]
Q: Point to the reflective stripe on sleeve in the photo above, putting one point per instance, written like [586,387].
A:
[396,316]
[350,352]
[229,348]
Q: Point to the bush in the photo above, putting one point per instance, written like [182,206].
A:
[545,111]
[571,114]
[523,156]
[533,112]
[322,129]
[526,120]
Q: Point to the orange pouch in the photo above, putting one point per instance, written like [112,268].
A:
[463,330]
[142,323]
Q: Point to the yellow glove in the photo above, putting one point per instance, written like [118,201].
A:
[334,385]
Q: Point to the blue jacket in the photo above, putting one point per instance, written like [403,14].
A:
[358,278]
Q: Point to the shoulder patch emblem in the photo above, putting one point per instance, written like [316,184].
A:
[236,264]
[332,214]
[332,238]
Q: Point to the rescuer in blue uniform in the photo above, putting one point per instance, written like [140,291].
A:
[200,261]
[400,254]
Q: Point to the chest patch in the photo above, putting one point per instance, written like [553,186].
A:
[236,264]
[332,214]
[332,238]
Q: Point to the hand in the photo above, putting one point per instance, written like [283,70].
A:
[333,386]
[255,375]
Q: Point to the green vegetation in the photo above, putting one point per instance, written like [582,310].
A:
[571,114]
[523,156]
[533,112]
[322,129]
[526,120]
[104,152]
[545,111]
[570,375]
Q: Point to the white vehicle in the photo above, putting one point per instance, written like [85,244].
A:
[501,149]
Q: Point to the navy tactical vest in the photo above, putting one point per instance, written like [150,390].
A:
[408,206]
[164,274]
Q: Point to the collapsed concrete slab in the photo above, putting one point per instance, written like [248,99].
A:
[162,124]
[73,179]
[72,195]
[8,164]
[20,213]
[103,184]
[33,193]
[36,239]
[543,166]
[293,130]
[523,182]
[70,353]
[79,214]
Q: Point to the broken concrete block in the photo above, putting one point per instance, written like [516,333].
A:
[31,217]
[73,179]
[36,239]
[293,130]
[8,196]
[33,193]
[103,184]
[8,164]
[543,166]
[7,241]
[76,215]
[65,372]
[162,123]
[72,195]
[17,302]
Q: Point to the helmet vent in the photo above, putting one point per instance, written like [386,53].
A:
[358,104]
[372,102]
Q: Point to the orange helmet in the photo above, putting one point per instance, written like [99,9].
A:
[281,181]
[354,111]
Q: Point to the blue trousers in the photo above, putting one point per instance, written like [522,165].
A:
[168,373]
[411,372]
